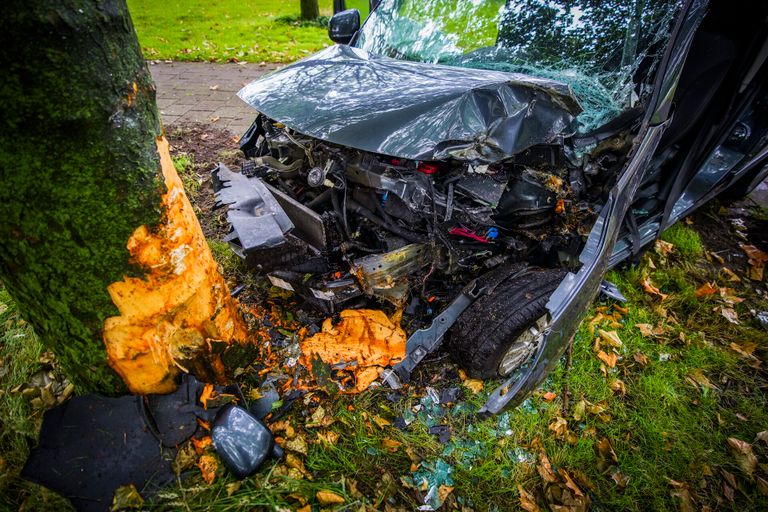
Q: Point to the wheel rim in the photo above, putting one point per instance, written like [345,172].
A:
[522,348]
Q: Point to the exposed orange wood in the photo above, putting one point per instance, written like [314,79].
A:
[181,302]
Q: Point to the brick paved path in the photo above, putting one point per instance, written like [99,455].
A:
[205,92]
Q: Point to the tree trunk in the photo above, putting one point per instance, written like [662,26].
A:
[98,243]
[309,10]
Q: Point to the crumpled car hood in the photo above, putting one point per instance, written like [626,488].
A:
[414,110]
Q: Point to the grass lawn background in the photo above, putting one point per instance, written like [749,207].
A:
[236,30]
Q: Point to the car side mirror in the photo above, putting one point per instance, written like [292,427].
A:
[343,26]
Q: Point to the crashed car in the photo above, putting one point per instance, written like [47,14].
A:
[478,165]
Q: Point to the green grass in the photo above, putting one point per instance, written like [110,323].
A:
[686,241]
[224,30]
[665,428]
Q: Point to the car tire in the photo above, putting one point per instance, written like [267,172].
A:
[486,332]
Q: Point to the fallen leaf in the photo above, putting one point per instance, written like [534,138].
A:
[609,359]
[611,338]
[580,410]
[215,119]
[645,329]
[729,314]
[762,436]
[298,444]
[475,385]
[569,483]
[620,479]
[605,450]
[651,289]
[742,451]
[545,469]
[705,289]
[549,396]
[328,436]
[757,260]
[663,248]
[443,491]
[292,461]
[381,422]
[618,386]
[762,485]
[559,427]
[390,444]
[214,88]
[745,349]
[326,498]
[641,359]
[682,492]
[698,379]
[731,275]
[234,487]
[126,497]
[527,501]
[208,466]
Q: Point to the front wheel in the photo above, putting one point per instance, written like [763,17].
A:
[501,331]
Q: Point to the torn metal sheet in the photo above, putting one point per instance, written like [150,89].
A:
[364,341]
[256,216]
[419,111]
[386,275]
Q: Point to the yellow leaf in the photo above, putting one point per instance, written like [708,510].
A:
[641,359]
[328,436]
[651,289]
[645,329]
[381,422]
[611,338]
[618,386]
[234,487]
[731,275]
[326,498]
[609,359]
[705,289]
[443,491]
[476,385]
[390,444]
[298,444]
[527,501]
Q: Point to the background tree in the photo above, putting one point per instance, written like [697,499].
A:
[98,243]
[309,10]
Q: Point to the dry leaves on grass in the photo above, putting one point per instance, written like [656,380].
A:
[475,385]
[742,452]
[731,275]
[705,289]
[649,288]
[757,260]
[727,313]
[390,444]
[326,498]
[610,360]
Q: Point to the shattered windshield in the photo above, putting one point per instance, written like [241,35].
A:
[595,46]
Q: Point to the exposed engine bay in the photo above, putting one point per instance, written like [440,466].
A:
[346,228]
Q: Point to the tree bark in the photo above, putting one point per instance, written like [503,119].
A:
[98,243]
[309,10]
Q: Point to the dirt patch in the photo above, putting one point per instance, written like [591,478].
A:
[206,145]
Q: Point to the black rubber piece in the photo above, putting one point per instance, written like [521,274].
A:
[483,333]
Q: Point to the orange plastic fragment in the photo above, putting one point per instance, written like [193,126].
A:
[364,336]
[177,306]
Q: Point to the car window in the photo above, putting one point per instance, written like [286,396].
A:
[601,48]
